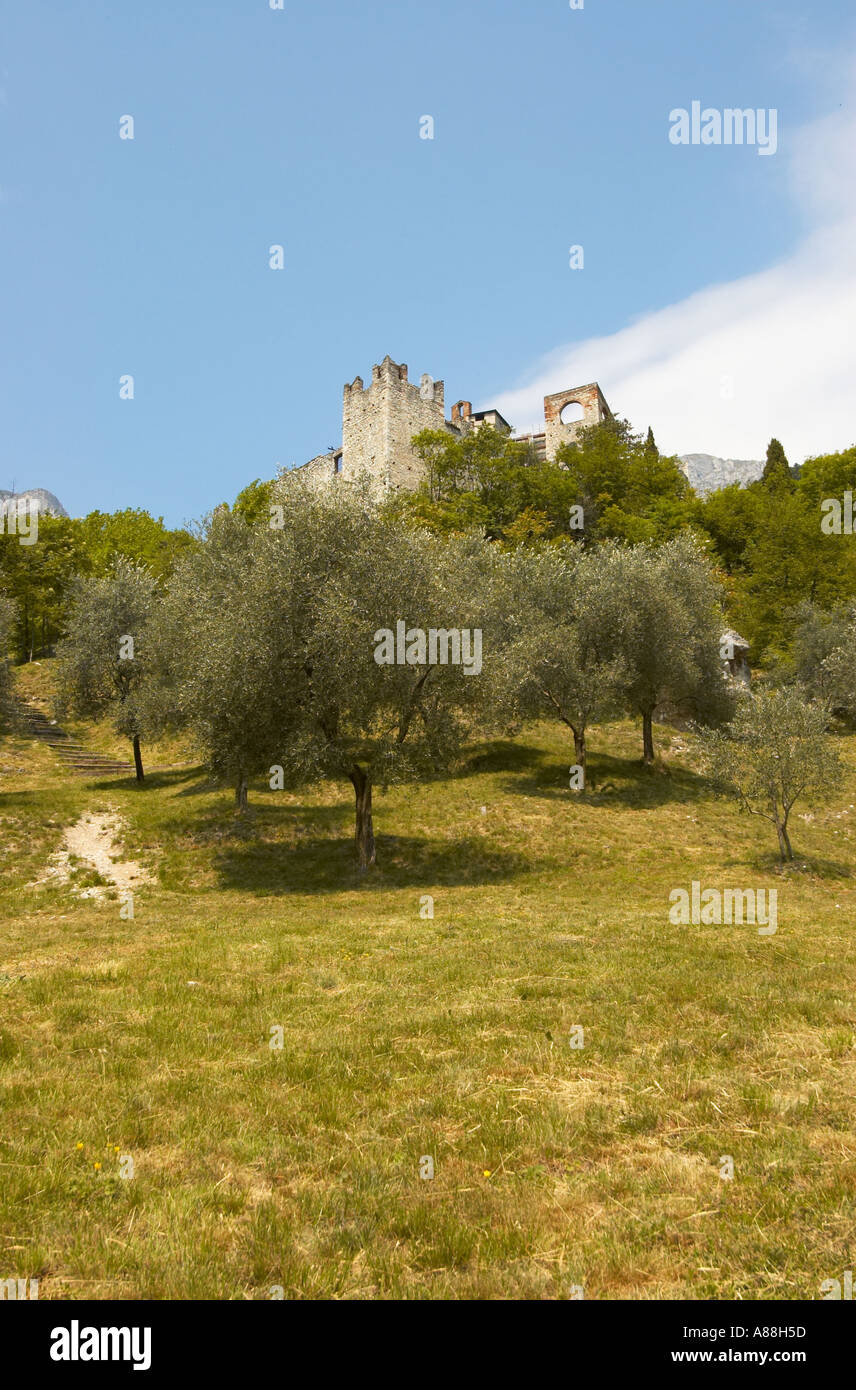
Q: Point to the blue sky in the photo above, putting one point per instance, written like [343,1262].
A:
[301,127]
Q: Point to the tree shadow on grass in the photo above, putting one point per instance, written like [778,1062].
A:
[500,756]
[327,864]
[803,866]
[27,798]
[21,799]
[197,779]
[154,781]
[309,848]
[612,781]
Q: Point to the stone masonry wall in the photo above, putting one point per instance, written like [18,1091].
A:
[320,470]
[379,420]
[594,407]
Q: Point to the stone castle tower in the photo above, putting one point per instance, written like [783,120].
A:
[379,421]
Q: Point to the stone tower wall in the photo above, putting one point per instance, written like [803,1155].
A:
[379,420]
[595,409]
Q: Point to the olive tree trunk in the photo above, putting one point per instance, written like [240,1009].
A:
[363,828]
[648,736]
[138,761]
[580,752]
[785,849]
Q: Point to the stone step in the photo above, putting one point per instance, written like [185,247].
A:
[101,771]
[101,767]
[85,755]
[72,754]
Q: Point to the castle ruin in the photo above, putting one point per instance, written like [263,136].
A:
[380,420]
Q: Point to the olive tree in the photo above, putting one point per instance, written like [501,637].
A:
[301,645]
[559,618]
[839,676]
[220,648]
[389,624]
[824,655]
[103,655]
[669,632]
[775,751]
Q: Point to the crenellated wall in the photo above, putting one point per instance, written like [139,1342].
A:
[380,420]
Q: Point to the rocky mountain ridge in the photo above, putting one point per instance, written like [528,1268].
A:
[45,501]
[707,473]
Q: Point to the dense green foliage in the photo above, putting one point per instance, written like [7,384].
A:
[104,656]
[774,752]
[611,485]
[312,648]
[626,489]
[584,632]
[39,577]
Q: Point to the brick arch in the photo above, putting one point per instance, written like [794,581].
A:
[583,396]
[581,407]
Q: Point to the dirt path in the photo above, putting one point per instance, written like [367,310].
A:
[94,840]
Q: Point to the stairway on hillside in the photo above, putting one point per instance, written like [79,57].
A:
[78,759]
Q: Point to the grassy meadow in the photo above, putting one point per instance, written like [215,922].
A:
[406,1036]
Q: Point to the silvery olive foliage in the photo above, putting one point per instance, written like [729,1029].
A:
[668,636]
[775,751]
[838,674]
[824,655]
[268,634]
[221,643]
[104,654]
[558,618]
[586,633]
[265,643]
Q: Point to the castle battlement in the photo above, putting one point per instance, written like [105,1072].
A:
[380,420]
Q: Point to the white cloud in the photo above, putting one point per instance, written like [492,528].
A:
[785,337]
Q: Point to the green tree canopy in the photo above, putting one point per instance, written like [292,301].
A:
[557,617]
[668,638]
[39,577]
[628,490]
[103,656]
[486,481]
[774,752]
[776,468]
[132,534]
[271,637]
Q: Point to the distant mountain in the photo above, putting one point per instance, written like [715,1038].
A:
[707,473]
[45,500]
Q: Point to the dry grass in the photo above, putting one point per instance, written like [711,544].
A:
[406,1036]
